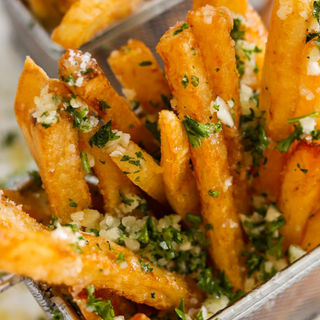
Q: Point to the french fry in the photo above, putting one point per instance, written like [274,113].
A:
[142,170]
[286,41]
[64,5]
[111,178]
[299,191]
[140,316]
[311,238]
[178,180]
[210,158]
[46,258]
[97,92]
[139,73]
[55,149]
[238,6]
[86,18]
[223,81]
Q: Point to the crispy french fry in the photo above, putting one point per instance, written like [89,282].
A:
[311,238]
[86,18]
[44,257]
[209,160]
[46,11]
[64,5]
[142,170]
[139,73]
[179,182]
[299,191]
[238,6]
[217,49]
[94,88]
[282,66]
[34,202]
[55,149]
[140,316]
[111,178]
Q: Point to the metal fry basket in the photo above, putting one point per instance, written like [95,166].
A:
[292,294]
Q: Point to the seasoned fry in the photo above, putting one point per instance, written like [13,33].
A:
[179,182]
[86,18]
[55,148]
[139,73]
[43,256]
[223,82]
[111,179]
[286,41]
[311,238]
[238,6]
[210,158]
[87,80]
[300,191]
[142,170]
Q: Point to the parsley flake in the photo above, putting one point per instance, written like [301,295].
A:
[183,27]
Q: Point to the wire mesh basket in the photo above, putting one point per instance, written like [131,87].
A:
[293,293]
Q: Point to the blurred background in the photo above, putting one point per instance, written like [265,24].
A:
[15,160]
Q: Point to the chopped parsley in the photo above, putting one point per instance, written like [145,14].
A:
[52,225]
[145,266]
[57,315]
[103,106]
[185,81]
[72,203]
[316,9]
[214,194]
[125,200]
[98,245]
[35,177]
[89,70]
[95,232]
[145,63]
[104,309]
[153,128]
[85,162]
[197,131]
[194,81]
[140,155]
[120,258]
[103,136]
[297,119]
[302,170]
[237,32]
[69,79]
[153,295]
[183,27]
[194,219]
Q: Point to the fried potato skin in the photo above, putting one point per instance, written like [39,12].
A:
[282,66]
[55,149]
[238,6]
[178,180]
[148,177]
[96,88]
[147,81]
[86,17]
[311,238]
[221,212]
[111,178]
[299,191]
[218,54]
[42,257]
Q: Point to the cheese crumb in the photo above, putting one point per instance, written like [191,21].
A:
[295,252]
[308,124]
[223,111]
[313,68]
[285,9]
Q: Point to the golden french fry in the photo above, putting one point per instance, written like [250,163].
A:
[238,6]
[179,182]
[95,89]
[142,170]
[139,73]
[299,191]
[311,237]
[282,67]
[140,316]
[34,202]
[111,179]
[55,148]
[46,11]
[64,5]
[209,160]
[217,50]
[45,257]
[86,18]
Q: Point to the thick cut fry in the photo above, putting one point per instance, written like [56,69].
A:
[140,316]
[34,202]
[44,257]
[300,191]
[139,73]
[220,62]
[238,6]
[55,149]
[209,160]
[178,180]
[142,170]
[86,18]
[111,179]
[282,68]
[311,238]
[95,89]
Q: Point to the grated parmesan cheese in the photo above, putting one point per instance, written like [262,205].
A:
[223,111]
[313,68]
[285,9]
[295,252]
[308,124]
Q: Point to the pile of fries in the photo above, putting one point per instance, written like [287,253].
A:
[75,22]
[209,178]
